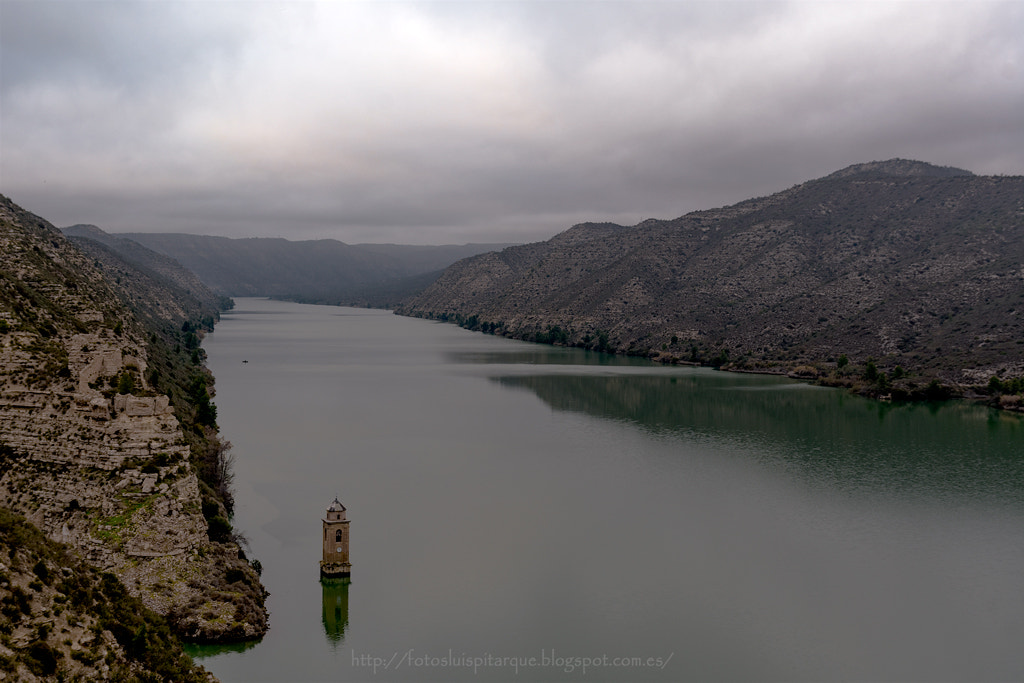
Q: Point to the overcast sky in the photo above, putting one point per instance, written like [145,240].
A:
[450,122]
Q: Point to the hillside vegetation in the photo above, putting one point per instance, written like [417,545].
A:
[61,619]
[889,274]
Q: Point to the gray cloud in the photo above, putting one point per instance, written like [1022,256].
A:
[498,121]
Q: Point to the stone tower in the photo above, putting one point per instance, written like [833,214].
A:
[335,564]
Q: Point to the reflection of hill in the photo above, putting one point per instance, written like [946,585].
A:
[826,435]
[202,651]
[335,615]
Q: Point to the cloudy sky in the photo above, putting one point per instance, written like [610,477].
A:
[485,121]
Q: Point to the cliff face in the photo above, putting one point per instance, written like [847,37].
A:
[92,450]
[910,264]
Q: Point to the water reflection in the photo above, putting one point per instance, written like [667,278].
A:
[335,609]
[202,651]
[826,436]
[535,354]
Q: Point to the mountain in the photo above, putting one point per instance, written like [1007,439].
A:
[317,271]
[884,264]
[159,271]
[155,287]
[108,436]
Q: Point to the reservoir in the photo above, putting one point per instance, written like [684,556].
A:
[527,512]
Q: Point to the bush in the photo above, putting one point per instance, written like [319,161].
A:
[235,575]
[42,660]
[125,383]
[935,391]
[870,370]
[21,599]
[219,529]
[211,508]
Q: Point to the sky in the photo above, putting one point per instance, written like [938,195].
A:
[485,120]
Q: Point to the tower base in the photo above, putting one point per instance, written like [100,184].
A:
[335,570]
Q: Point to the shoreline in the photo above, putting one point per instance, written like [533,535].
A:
[863,379]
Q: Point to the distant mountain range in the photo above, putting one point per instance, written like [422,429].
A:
[318,271]
[898,262]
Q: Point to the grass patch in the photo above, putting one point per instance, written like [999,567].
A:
[109,529]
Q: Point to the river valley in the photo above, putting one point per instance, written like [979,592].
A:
[527,512]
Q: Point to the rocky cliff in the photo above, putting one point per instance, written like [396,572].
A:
[99,447]
[911,269]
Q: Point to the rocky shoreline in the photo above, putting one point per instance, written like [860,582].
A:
[865,379]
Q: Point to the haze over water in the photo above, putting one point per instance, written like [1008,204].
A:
[511,501]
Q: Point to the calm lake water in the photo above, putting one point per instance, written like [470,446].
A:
[524,512]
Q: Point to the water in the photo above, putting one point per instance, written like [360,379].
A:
[522,512]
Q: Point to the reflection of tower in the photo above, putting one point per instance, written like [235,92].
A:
[335,564]
[335,608]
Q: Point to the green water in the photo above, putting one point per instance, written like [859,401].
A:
[521,512]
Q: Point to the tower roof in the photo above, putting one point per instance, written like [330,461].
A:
[335,506]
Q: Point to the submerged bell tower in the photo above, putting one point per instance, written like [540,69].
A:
[335,564]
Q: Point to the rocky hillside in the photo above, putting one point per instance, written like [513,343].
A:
[60,619]
[174,285]
[916,268]
[107,432]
